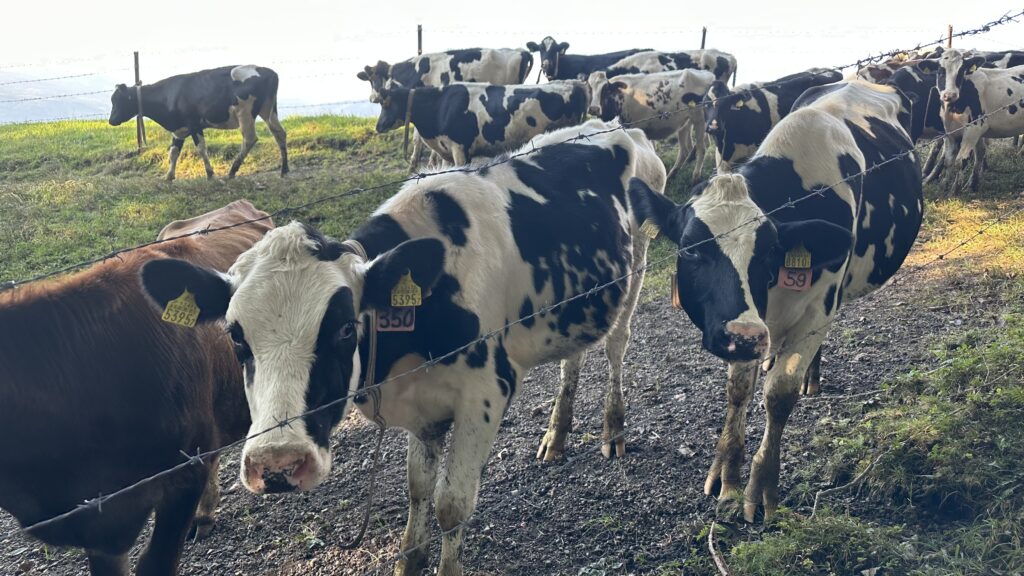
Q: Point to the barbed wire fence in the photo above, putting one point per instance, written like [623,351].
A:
[201,457]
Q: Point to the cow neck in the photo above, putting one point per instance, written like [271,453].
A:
[369,382]
[155,109]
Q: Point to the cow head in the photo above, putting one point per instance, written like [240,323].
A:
[123,105]
[377,76]
[294,306]
[954,66]
[550,53]
[730,254]
[718,103]
[605,97]
[393,107]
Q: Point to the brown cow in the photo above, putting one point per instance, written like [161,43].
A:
[96,393]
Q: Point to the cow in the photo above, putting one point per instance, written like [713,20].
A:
[224,98]
[721,64]
[970,91]
[97,393]
[661,104]
[464,120]
[481,253]
[557,65]
[767,254]
[739,119]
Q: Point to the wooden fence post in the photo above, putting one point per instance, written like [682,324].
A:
[419,39]
[140,125]
[703,36]
[949,36]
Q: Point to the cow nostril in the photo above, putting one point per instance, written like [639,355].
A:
[277,482]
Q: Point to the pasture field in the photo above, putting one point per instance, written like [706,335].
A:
[921,408]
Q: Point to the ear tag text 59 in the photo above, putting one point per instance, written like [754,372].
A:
[406,293]
[796,273]
[650,229]
[182,310]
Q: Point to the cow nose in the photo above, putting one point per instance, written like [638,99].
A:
[595,111]
[276,471]
[713,125]
[949,96]
[746,338]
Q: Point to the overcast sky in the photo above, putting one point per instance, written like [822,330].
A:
[318,46]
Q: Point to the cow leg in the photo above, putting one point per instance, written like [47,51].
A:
[200,141]
[552,446]
[174,152]
[781,392]
[206,514]
[472,438]
[460,155]
[417,152]
[725,469]
[423,460]
[980,164]
[812,383]
[101,564]
[248,125]
[274,124]
[971,143]
[615,347]
[933,155]
[700,139]
[685,147]
[173,518]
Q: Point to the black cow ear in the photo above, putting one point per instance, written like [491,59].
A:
[362,75]
[167,279]
[650,206]
[532,47]
[563,46]
[927,66]
[828,243]
[619,85]
[972,64]
[422,258]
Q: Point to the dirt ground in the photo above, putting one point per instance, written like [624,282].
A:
[582,516]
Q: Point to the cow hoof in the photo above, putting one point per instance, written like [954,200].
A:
[810,388]
[201,528]
[413,564]
[552,447]
[169,178]
[231,176]
[618,445]
[209,175]
[729,507]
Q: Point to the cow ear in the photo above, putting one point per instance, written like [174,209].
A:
[648,205]
[927,66]
[828,243]
[562,47]
[422,258]
[167,279]
[619,85]
[363,75]
[532,47]
[972,64]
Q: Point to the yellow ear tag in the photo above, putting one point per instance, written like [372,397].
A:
[739,104]
[798,257]
[182,310]
[691,104]
[406,292]
[973,68]
[650,229]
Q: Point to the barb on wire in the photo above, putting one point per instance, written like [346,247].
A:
[54,97]
[58,119]
[68,77]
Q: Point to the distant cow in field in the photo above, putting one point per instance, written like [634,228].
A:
[225,98]
[557,65]
[739,119]
[662,104]
[464,120]
[97,393]
[721,64]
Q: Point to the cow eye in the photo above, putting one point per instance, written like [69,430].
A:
[347,331]
[690,253]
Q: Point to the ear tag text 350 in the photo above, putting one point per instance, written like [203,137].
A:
[182,310]
[406,293]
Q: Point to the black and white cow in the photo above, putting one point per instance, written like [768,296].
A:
[467,119]
[557,65]
[739,119]
[969,91]
[853,230]
[226,98]
[719,63]
[662,104]
[485,249]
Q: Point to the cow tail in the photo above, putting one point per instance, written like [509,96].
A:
[525,65]
[272,84]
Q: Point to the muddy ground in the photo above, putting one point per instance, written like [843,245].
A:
[584,515]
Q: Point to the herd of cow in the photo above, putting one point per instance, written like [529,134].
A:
[97,391]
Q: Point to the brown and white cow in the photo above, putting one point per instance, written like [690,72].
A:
[97,392]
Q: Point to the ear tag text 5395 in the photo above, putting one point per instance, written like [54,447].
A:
[182,310]
[406,292]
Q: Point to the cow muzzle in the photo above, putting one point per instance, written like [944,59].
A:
[281,468]
[595,110]
[745,340]
[950,96]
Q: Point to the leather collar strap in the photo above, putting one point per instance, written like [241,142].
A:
[371,360]
[408,115]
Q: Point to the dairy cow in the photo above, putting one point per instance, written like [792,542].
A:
[308,315]
[662,104]
[739,119]
[465,120]
[97,393]
[721,64]
[557,65]
[762,278]
[225,98]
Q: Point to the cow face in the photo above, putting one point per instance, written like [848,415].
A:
[716,102]
[730,253]
[605,97]
[123,105]
[954,66]
[294,308]
[378,76]
[550,53]
[393,108]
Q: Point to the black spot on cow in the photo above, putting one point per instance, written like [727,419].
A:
[1009,92]
[504,371]
[531,120]
[1012,109]
[526,312]
[328,377]
[424,67]
[446,78]
[830,299]
[477,356]
[450,217]
[462,57]
[487,403]
[487,417]
[379,234]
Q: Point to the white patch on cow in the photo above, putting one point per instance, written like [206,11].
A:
[243,73]
[866,220]
[548,42]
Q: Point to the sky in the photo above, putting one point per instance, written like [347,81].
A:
[317,47]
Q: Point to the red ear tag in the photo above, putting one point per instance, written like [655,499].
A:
[797,279]
[396,319]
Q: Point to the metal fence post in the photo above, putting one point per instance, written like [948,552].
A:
[140,125]
[419,39]
[703,36]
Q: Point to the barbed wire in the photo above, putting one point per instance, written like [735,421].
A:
[96,116]
[68,77]
[54,97]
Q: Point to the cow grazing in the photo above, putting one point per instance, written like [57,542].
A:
[739,119]
[225,98]
[464,120]
[969,91]
[485,249]
[557,65]
[661,104]
[721,64]
[97,392]
[847,238]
